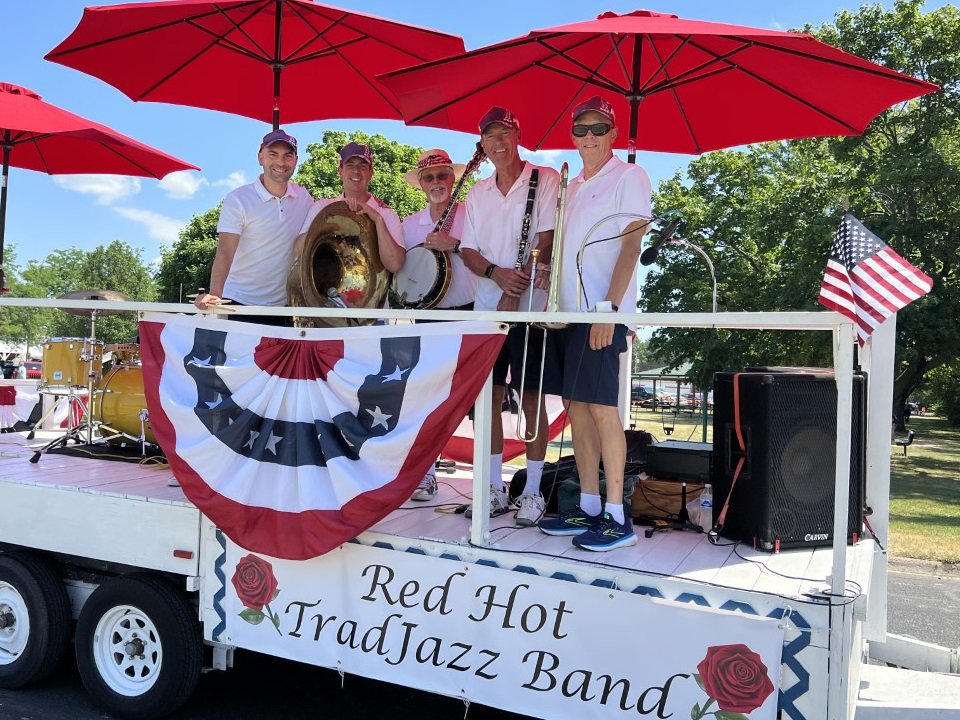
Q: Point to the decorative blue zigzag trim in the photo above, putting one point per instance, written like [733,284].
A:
[222,590]
[791,649]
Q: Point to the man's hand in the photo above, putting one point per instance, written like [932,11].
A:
[512,282]
[361,208]
[601,335]
[205,300]
[440,241]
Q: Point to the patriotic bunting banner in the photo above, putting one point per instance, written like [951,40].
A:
[296,441]
[866,280]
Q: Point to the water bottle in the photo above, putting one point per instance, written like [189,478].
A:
[705,518]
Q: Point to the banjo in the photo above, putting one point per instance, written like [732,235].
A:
[426,273]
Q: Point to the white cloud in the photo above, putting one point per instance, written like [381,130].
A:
[183,185]
[232,181]
[775,25]
[159,227]
[105,188]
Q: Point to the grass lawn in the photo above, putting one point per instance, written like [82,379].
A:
[925,493]
[924,485]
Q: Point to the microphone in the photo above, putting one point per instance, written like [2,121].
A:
[664,235]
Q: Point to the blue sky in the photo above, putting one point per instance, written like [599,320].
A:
[45,213]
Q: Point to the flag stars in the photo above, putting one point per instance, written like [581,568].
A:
[253,438]
[379,417]
[216,401]
[272,442]
[203,363]
[396,375]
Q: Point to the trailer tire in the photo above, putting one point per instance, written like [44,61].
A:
[139,647]
[34,619]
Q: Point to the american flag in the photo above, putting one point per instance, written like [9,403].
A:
[295,444]
[866,280]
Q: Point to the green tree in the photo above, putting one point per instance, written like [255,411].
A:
[767,216]
[185,266]
[116,266]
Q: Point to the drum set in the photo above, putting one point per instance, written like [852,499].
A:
[113,404]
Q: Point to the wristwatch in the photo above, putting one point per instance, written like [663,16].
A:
[456,248]
[605,306]
[488,273]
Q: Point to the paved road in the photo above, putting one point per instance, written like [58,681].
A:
[921,606]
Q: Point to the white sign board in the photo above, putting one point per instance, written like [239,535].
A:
[542,647]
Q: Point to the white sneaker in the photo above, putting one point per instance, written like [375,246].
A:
[532,509]
[499,503]
[426,490]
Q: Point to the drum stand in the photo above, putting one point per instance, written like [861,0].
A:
[86,422]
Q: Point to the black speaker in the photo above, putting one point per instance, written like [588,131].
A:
[783,496]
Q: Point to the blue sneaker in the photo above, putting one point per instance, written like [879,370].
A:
[571,522]
[607,534]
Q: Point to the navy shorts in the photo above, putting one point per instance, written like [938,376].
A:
[511,358]
[589,376]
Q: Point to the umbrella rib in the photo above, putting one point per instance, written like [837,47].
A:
[345,20]
[136,33]
[131,161]
[662,70]
[557,52]
[673,93]
[776,88]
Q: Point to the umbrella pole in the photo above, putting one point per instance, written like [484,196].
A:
[632,139]
[7,145]
[277,63]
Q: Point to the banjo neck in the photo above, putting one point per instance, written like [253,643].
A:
[446,217]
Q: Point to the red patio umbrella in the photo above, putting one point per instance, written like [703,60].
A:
[36,135]
[685,86]
[250,57]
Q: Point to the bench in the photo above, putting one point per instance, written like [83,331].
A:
[905,442]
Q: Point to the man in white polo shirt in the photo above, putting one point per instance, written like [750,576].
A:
[491,248]
[605,282]
[258,226]
[356,172]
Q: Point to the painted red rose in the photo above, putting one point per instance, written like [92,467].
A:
[735,676]
[254,581]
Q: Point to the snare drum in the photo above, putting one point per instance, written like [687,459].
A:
[67,364]
[121,403]
[423,280]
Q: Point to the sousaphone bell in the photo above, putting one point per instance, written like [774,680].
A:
[338,267]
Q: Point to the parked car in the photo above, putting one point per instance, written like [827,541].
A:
[639,392]
[690,401]
[34,369]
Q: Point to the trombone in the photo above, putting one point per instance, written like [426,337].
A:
[553,302]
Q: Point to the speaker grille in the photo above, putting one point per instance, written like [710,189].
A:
[784,495]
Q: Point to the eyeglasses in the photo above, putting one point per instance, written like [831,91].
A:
[441,176]
[598,129]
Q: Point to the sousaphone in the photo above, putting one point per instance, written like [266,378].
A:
[338,267]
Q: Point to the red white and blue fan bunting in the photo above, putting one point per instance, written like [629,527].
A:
[295,441]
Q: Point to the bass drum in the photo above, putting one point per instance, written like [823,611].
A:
[119,405]
[423,280]
[338,267]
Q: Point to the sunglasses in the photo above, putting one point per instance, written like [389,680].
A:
[598,129]
[441,176]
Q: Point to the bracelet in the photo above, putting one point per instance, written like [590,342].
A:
[488,273]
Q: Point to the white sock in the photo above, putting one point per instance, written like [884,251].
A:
[534,475]
[590,504]
[615,510]
[496,472]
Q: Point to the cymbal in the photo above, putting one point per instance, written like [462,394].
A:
[98,295]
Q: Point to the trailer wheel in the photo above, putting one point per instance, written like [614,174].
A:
[139,647]
[34,619]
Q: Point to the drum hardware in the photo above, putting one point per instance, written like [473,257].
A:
[90,352]
[425,277]
[339,267]
[553,298]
